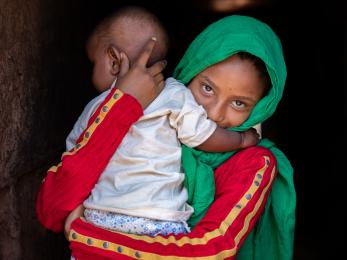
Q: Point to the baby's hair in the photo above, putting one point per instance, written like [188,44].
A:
[142,19]
[259,65]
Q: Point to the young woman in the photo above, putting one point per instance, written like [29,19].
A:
[221,72]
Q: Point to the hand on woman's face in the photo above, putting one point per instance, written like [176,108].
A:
[228,91]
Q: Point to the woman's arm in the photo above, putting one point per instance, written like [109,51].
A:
[69,183]
[243,184]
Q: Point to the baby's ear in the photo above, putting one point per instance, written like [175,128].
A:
[114,59]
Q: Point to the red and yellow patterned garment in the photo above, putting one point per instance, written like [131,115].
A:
[242,187]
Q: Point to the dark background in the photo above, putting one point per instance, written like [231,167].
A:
[45,83]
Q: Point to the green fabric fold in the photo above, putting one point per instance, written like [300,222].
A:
[273,235]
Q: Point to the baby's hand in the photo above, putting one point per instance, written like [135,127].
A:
[76,213]
[249,138]
[142,82]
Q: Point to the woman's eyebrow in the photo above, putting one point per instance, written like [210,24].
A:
[210,82]
[245,98]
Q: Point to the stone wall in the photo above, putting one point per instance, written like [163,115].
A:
[41,50]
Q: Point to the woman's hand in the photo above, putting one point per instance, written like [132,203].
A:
[142,82]
[76,213]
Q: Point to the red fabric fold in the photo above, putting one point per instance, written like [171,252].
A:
[66,187]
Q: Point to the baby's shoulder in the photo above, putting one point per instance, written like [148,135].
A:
[96,101]
[172,86]
[173,96]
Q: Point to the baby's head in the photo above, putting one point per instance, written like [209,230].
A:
[127,30]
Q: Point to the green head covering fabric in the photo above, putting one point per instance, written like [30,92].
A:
[272,237]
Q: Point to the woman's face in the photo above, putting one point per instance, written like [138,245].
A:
[228,90]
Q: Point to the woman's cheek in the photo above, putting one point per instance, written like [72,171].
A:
[236,118]
[200,99]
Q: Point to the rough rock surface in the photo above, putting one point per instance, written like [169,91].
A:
[42,69]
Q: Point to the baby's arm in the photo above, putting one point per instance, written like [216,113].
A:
[223,140]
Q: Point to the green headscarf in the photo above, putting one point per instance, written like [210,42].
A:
[273,235]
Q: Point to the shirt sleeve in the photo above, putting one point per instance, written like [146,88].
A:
[191,122]
[82,121]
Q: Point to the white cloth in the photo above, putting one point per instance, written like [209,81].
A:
[144,177]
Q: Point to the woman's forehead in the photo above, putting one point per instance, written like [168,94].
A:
[234,76]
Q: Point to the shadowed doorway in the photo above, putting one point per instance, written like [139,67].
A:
[45,83]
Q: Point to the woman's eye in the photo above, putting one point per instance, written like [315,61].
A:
[238,104]
[207,89]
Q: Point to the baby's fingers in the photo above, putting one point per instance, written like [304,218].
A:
[142,60]
[159,81]
[157,68]
[159,78]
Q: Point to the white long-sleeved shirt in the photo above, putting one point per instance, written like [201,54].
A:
[144,176]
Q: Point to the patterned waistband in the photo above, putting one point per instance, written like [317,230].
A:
[134,225]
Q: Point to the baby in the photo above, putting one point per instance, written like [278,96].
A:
[125,32]
[141,189]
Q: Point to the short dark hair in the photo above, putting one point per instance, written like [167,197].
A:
[141,17]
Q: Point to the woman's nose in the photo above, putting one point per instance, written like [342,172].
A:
[215,113]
